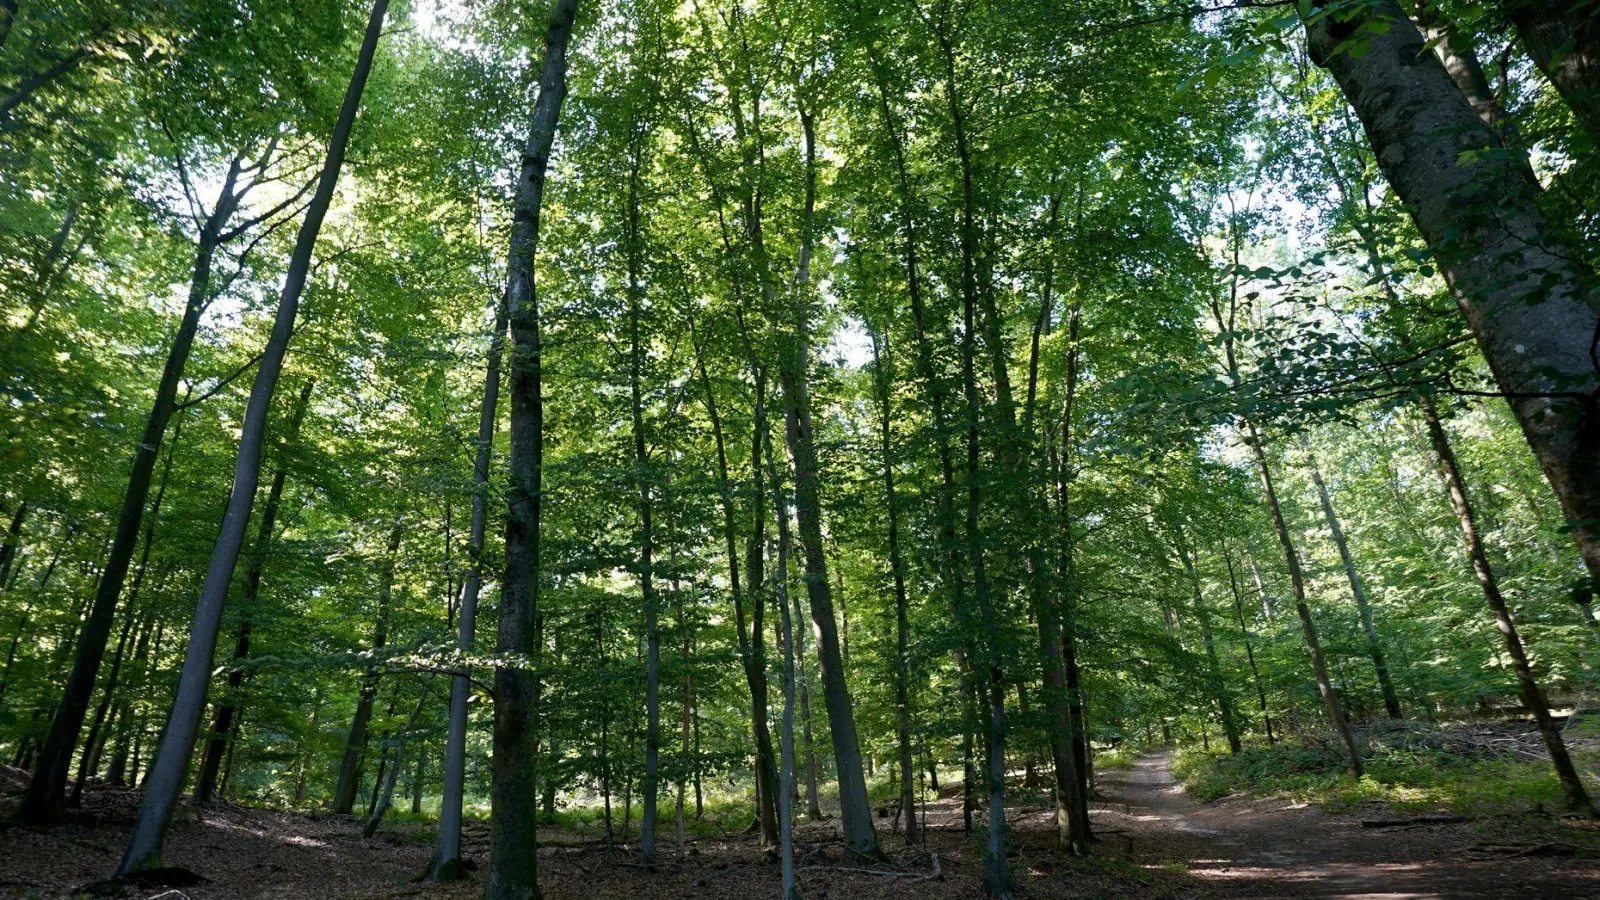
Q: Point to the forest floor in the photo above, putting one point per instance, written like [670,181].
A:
[1155,842]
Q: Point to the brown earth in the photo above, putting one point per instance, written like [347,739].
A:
[1155,842]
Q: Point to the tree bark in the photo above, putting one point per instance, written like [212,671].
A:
[177,744]
[385,793]
[513,836]
[44,801]
[855,813]
[902,631]
[1577,798]
[1249,649]
[446,863]
[1534,314]
[1391,700]
[344,797]
[222,725]
[1219,690]
[1562,38]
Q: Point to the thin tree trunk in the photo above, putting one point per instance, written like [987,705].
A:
[513,826]
[754,669]
[344,797]
[855,813]
[902,631]
[1249,650]
[1577,798]
[787,631]
[1230,723]
[43,802]
[813,806]
[446,863]
[641,461]
[177,745]
[385,794]
[1391,700]
[226,707]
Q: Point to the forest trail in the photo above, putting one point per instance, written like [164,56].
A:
[1276,848]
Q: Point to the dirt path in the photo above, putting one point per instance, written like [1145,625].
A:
[1273,848]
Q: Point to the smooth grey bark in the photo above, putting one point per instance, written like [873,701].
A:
[385,797]
[902,630]
[446,864]
[1369,628]
[754,667]
[1563,38]
[1534,314]
[513,826]
[646,509]
[165,780]
[44,801]
[813,806]
[855,813]
[344,796]
[1577,798]
[788,630]
[227,706]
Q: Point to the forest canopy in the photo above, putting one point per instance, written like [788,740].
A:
[755,411]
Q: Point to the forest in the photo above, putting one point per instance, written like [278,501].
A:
[799,448]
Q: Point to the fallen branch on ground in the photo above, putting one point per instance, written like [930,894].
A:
[1419,820]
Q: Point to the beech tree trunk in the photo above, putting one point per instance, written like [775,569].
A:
[1230,719]
[855,812]
[513,826]
[1391,700]
[44,801]
[754,667]
[384,793]
[1249,649]
[177,744]
[222,725]
[1563,39]
[1534,314]
[446,864]
[1577,798]
[344,797]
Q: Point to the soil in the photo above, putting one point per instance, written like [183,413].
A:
[1154,842]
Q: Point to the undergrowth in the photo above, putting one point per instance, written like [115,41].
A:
[1408,780]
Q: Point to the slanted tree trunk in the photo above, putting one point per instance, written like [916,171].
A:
[1577,798]
[788,629]
[1391,700]
[1563,39]
[1219,690]
[446,864]
[344,796]
[222,724]
[813,807]
[1533,312]
[1249,649]
[855,813]
[177,744]
[754,668]
[513,827]
[44,801]
[384,797]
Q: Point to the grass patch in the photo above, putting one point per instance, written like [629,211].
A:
[1410,781]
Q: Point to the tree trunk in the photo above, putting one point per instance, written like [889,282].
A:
[446,863]
[384,797]
[1219,690]
[788,630]
[1564,41]
[854,810]
[344,796]
[641,462]
[813,806]
[1577,797]
[1249,650]
[223,723]
[754,669]
[1391,700]
[902,632]
[44,800]
[513,826]
[177,744]
[1531,310]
